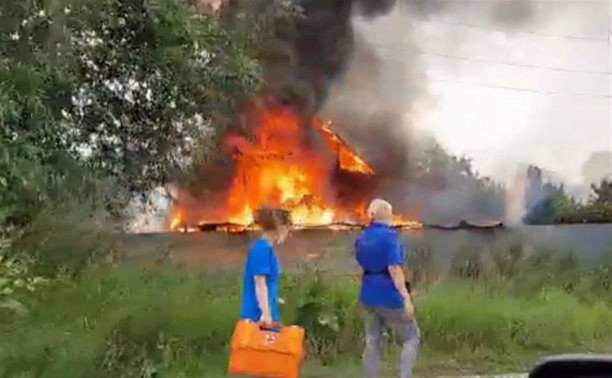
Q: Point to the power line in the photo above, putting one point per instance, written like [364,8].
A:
[488,61]
[518,89]
[539,34]
[510,88]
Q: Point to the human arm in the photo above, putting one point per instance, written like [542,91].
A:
[261,292]
[395,261]
[399,280]
[260,266]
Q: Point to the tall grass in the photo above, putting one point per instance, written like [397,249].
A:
[126,321]
[122,322]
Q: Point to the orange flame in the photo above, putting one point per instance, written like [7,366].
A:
[402,222]
[177,221]
[277,168]
[349,161]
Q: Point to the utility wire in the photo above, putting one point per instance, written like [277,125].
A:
[489,28]
[518,89]
[510,88]
[487,61]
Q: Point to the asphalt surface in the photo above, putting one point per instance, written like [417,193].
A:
[489,376]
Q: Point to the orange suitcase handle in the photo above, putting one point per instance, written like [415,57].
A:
[273,327]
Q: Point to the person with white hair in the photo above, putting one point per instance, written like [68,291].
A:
[384,291]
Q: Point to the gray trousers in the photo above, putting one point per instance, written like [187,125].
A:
[406,331]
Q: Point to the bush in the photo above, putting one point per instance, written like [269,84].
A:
[508,258]
[103,100]
[68,243]
[329,313]
[420,266]
[467,263]
[135,348]
[17,281]
[127,321]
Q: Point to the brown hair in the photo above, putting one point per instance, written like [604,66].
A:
[269,218]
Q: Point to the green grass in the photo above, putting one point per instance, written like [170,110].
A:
[131,321]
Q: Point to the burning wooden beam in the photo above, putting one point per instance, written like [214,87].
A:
[347,158]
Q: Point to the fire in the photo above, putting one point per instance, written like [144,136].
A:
[275,169]
[276,166]
[401,222]
[349,161]
[177,221]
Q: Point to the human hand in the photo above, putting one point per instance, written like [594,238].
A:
[265,320]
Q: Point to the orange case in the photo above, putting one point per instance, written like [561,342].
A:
[266,353]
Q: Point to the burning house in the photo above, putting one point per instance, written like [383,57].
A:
[307,169]
[284,156]
[282,153]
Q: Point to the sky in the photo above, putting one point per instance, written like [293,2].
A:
[481,95]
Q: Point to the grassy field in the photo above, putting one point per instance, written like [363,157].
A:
[125,320]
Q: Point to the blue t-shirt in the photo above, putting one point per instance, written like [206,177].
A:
[262,261]
[376,249]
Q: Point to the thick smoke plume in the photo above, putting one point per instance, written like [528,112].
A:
[322,66]
[376,101]
[310,53]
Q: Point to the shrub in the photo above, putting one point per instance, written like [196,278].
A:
[420,266]
[467,263]
[329,313]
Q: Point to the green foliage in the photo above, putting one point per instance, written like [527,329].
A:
[467,263]
[443,175]
[509,259]
[101,101]
[461,317]
[602,193]
[256,21]
[548,203]
[123,321]
[420,266]
[563,209]
[134,349]
[126,87]
[328,313]
[16,281]
[126,321]
[67,244]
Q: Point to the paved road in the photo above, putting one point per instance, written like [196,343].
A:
[490,376]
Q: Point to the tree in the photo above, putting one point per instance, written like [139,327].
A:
[453,190]
[119,89]
[547,203]
[127,86]
[602,193]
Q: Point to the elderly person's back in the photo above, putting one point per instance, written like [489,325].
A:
[384,295]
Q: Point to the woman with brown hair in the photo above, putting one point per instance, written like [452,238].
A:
[261,275]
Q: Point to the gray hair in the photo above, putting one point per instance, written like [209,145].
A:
[380,211]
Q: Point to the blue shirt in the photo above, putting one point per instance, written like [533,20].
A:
[262,261]
[376,249]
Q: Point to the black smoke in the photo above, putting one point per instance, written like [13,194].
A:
[319,65]
[309,53]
